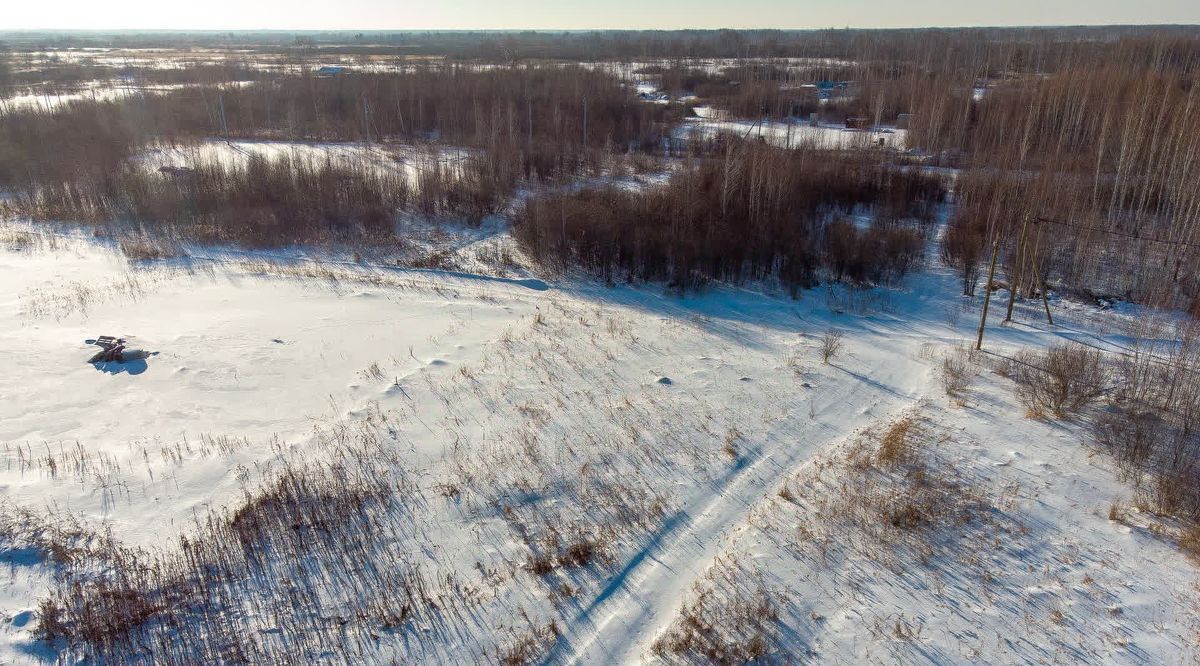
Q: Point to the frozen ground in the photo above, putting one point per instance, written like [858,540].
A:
[577,464]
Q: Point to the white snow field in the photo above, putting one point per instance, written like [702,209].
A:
[407,160]
[507,470]
[49,99]
[793,134]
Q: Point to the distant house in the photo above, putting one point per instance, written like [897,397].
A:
[330,70]
[828,91]
[858,122]
[833,85]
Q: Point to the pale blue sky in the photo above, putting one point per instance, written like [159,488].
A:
[566,14]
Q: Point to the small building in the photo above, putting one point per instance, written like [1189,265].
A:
[858,123]
[330,70]
[833,85]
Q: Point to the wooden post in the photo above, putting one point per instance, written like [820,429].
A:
[1015,281]
[1037,273]
[987,294]
[1045,299]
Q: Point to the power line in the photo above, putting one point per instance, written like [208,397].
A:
[1151,239]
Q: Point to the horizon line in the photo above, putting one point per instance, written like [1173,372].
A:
[1014,26]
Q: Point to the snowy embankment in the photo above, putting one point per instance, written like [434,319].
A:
[543,472]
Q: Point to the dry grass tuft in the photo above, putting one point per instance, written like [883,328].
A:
[786,494]
[530,647]
[897,489]
[1189,541]
[956,375]
[896,446]
[443,260]
[307,519]
[731,620]
[17,240]
[148,248]
[732,437]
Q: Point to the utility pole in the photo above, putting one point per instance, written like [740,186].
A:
[1015,281]
[1037,271]
[987,293]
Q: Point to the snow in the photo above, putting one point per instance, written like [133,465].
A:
[244,354]
[1043,575]
[791,134]
[635,70]
[645,88]
[665,425]
[404,159]
[100,91]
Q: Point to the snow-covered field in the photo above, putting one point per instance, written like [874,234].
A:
[98,91]
[795,134]
[555,471]
[637,69]
[402,159]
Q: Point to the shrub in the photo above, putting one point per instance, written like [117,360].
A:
[895,447]
[50,626]
[832,343]
[962,249]
[1172,490]
[956,374]
[874,255]
[1063,381]
[1129,436]
[756,212]
[1150,429]
[1189,541]
[733,620]
[145,248]
[263,202]
[76,143]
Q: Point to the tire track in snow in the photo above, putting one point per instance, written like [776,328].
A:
[642,598]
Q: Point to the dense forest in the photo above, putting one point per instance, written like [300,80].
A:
[1074,149]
